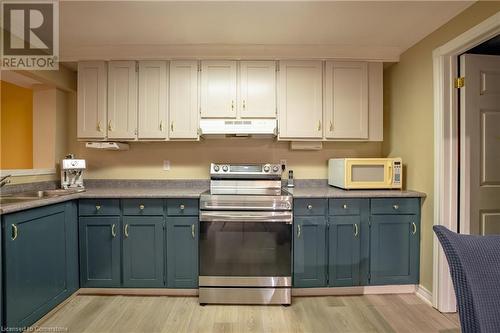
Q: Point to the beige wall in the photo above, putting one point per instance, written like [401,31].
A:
[408,116]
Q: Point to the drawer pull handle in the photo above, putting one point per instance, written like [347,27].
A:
[344,206]
[113,230]
[299,231]
[14,231]
[309,207]
[396,207]
[126,230]
[181,206]
[192,231]
[414,228]
[97,207]
[356,230]
[141,207]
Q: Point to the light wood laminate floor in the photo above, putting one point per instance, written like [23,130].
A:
[369,313]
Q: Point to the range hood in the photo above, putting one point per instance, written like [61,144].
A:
[238,127]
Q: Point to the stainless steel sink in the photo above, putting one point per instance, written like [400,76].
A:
[11,200]
[36,195]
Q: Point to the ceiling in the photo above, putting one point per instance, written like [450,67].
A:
[115,29]
[18,79]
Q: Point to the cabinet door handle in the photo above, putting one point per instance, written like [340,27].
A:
[319,125]
[161,125]
[14,231]
[299,231]
[414,228]
[244,105]
[126,230]
[395,207]
[309,207]
[192,231]
[356,230]
[181,207]
[109,126]
[331,126]
[97,207]
[344,206]
[99,128]
[113,230]
[172,126]
[232,105]
[141,207]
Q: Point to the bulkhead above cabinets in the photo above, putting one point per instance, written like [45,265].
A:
[167,100]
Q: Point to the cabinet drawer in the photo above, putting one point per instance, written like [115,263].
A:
[345,206]
[180,207]
[99,207]
[309,207]
[142,206]
[395,206]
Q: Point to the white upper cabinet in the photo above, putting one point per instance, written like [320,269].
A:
[346,100]
[153,122]
[122,100]
[218,89]
[183,110]
[300,100]
[257,89]
[92,94]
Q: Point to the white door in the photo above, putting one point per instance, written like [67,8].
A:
[300,106]
[92,94]
[153,100]
[480,144]
[346,100]
[122,100]
[218,89]
[183,110]
[257,89]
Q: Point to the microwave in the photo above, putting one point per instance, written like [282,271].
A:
[365,173]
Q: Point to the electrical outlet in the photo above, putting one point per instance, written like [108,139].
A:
[283,162]
[166,165]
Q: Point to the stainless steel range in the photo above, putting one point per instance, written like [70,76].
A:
[245,236]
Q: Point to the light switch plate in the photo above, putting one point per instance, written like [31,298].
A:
[166,165]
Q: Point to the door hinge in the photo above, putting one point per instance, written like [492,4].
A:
[137,67]
[459,82]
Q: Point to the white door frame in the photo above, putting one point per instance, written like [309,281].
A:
[446,160]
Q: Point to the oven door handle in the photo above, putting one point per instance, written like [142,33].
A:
[225,216]
[230,207]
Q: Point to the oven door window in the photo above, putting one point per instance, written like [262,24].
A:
[245,249]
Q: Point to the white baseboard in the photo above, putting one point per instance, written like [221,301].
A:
[424,294]
[359,290]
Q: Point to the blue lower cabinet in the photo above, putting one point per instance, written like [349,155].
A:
[394,250]
[40,266]
[182,252]
[309,251]
[143,251]
[100,251]
[344,246]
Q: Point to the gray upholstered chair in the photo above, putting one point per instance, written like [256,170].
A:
[475,271]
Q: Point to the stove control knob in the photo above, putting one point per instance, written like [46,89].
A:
[266,168]
[275,168]
[216,168]
[225,168]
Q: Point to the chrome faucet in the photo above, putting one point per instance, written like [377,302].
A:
[4,180]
